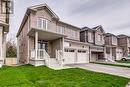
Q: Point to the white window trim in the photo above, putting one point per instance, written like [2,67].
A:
[46,23]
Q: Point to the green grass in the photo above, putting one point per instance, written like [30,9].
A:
[112,64]
[120,61]
[29,76]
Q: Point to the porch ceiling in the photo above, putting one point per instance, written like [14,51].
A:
[45,34]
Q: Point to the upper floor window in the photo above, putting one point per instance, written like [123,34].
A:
[99,37]
[114,40]
[90,36]
[61,29]
[42,23]
[74,34]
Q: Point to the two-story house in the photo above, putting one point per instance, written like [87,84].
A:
[94,36]
[4,29]
[112,50]
[124,42]
[43,39]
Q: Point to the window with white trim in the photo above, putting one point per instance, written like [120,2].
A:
[42,23]
[61,29]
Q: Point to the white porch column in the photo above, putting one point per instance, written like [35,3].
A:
[36,45]
[1,47]
[111,53]
[63,49]
[105,56]
[4,45]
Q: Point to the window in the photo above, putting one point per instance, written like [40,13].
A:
[81,51]
[42,23]
[61,29]
[69,50]
[99,37]
[74,34]
[114,40]
[90,36]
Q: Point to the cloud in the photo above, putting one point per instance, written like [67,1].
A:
[113,15]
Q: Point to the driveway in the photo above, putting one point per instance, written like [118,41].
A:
[120,71]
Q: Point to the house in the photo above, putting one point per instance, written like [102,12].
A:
[124,42]
[94,36]
[113,51]
[4,29]
[43,39]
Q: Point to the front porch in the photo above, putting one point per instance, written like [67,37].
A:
[97,53]
[45,48]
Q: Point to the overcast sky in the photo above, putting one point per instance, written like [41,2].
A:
[113,15]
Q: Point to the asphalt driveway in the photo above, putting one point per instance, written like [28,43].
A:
[120,71]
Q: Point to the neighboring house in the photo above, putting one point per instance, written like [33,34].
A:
[124,42]
[113,51]
[4,29]
[95,37]
[45,40]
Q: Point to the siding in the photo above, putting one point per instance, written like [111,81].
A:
[2,16]
[54,25]
[23,44]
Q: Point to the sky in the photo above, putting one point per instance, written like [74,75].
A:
[113,15]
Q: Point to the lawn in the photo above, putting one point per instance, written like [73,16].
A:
[127,66]
[120,61]
[29,76]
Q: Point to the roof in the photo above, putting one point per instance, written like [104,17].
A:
[98,27]
[109,34]
[34,9]
[93,29]
[69,24]
[123,36]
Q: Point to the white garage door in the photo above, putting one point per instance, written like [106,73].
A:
[82,57]
[119,55]
[69,56]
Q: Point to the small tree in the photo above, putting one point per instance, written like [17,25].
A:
[11,49]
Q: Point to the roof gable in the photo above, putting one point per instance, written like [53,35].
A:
[99,28]
[42,6]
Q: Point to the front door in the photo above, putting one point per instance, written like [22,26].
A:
[42,44]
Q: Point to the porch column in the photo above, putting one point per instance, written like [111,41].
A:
[36,45]
[105,56]
[63,50]
[1,47]
[111,53]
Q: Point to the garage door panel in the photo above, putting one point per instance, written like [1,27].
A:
[69,57]
[82,57]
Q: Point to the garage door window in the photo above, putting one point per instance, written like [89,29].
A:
[68,50]
[81,51]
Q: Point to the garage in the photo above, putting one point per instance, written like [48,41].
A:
[82,56]
[69,56]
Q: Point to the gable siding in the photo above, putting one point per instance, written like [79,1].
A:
[96,38]
[53,24]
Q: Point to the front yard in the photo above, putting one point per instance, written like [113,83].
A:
[120,61]
[29,76]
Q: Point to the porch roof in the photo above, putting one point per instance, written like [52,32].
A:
[45,34]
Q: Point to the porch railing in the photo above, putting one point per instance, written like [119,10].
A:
[41,54]
[59,56]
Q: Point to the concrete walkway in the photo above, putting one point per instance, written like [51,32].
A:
[120,71]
